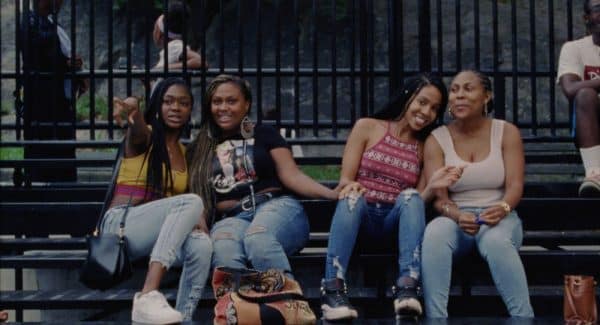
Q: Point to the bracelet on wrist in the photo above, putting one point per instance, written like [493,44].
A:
[506,207]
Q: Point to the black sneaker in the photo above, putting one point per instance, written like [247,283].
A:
[406,301]
[334,301]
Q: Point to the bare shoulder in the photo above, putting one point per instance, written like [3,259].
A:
[369,126]
[431,143]
[511,130]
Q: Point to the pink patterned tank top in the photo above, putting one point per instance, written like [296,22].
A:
[388,168]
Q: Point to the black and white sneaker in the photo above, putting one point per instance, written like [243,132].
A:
[406,301]
[334,301]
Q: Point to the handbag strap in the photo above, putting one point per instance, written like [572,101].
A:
[271,298]
[111,186]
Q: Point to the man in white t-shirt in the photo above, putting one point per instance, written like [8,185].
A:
[177,15]
[579,78]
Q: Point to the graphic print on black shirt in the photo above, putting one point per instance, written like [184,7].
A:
[232,167]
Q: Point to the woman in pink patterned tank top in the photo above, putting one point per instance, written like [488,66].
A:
[381,168]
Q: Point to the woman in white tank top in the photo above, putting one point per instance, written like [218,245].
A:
[477,211]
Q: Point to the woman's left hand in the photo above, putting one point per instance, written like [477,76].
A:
[493,215]
[353,187]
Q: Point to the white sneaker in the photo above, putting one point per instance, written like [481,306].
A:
[153,308]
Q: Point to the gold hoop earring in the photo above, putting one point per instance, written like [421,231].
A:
[247,128]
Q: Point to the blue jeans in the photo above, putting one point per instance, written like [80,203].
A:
[163,230]
[403,222]
[499,247]
[262,238]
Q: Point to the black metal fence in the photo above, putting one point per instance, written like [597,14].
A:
[315,66]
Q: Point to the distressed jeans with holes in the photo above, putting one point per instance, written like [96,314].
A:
[402,222]
[444,241]
[264,239]
[163,230]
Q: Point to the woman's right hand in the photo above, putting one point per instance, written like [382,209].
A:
[445,177]
[468,222]
[125,107]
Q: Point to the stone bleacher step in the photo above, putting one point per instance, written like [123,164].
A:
[85,298]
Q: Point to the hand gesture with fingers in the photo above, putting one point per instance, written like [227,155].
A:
[445,177]
[127,107]
[468,222]
[353,187]
[492,215]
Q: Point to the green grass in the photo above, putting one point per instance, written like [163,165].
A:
[8,153]
[83,108]
[322,173]
[6,107]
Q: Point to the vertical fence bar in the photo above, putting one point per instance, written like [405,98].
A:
[333,69]
[184,36]
[364,90]
[128,45]
[202,22]
[352,61]
[440,38]
[499,82]
[240,32]
[457,18]
[165,39]
[477,42]
[425,36]
[552,67]
[277,64]
[533,64]
[315,77]
[371,55]
[515,63]
[296,68]
[92,76]
[221,38]
[110,77]
[73,69]
[148,28]
[569,20]
[569,38]
[258,61]
[18,103]
[395,44]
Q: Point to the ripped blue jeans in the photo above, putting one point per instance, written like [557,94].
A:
[378,223]
[163,230]
[261,239]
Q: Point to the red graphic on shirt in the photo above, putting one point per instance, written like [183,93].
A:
[590,72]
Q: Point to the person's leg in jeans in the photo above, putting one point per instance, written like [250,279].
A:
[159,229]
[227,236]
[499,246]
[406,222]
[345,226]
[443,240]
[195,256]
[278,229]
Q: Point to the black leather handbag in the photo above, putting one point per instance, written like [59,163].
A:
[107,262]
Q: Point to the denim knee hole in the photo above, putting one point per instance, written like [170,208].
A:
[255,230]
[408,193]
[352,198]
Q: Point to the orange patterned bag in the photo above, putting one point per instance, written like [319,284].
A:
[252,297]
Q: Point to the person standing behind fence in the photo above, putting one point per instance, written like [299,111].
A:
[161,222]
[178,14]
[478,210]
[46,49]
[579,78]
[381,168]
[245,173]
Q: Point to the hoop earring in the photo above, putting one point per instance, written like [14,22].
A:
[247,128]
[450,112]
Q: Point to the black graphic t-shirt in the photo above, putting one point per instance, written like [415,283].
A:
[240,162]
